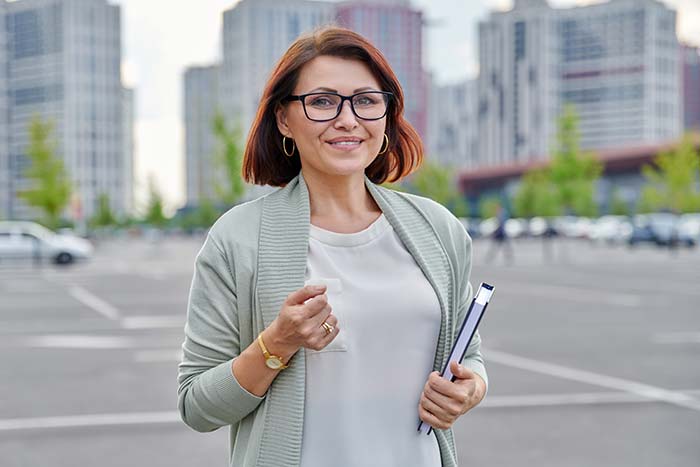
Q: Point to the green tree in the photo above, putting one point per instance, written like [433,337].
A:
[51,188]
[104,216]
[488,207]
[618,206]
[207,213]
[536,196]
[229,157]
[437,182]
[154,209]
[573,173]
[673,183]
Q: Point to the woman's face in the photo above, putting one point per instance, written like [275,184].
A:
[345,145]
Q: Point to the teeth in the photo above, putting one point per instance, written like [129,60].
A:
[346,143]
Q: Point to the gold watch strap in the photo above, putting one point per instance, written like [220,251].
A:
[267,354]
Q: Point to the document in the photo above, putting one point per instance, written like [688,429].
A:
[464,337]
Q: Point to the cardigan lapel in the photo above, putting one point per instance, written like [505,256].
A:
[420,239]
[282,257]
[282,252]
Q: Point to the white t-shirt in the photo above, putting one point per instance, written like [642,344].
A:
[368,381]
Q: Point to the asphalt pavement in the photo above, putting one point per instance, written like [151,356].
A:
[592,352]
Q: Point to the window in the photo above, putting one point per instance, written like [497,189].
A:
[519,40]
[25,33]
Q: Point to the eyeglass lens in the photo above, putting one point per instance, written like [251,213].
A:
[366,105]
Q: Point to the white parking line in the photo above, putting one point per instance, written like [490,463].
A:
[94,302]
[153,322]
[158,356]
[93,420]
[676,338]
[595,379]
[79,342]
[544,400]
[577,294]
[97,342]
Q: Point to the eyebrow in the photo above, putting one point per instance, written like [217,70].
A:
[366,88]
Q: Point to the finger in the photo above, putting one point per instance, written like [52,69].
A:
[461,371]
[431,419]
[325,337]
[442,386]
[452,389]
[318,318]
[330,336]
[315,306]
[330,319]
[318,331]
[298,297]
[435,409]
[448,405]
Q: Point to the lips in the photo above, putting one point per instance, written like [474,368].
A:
[344,140]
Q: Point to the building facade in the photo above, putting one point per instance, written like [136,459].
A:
[517,85]
[61,63]
[201,99]
[691,88]
[452,138]
[128,119]
[616,62]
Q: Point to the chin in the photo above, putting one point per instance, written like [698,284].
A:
[345,168]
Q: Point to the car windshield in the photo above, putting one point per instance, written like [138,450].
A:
[39,231]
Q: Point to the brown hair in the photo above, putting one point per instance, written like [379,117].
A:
[264,162]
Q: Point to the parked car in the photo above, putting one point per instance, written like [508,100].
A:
[689,225]
[516,228]
[20,239]
[541,227]
[659,228]
[488,226]
[611,229]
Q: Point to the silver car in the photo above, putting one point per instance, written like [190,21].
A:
[20,239]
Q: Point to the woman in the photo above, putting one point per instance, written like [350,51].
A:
[339,374]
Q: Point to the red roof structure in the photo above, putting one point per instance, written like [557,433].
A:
[615,161]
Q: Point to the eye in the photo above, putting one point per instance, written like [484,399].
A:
[366,99]
[322,101]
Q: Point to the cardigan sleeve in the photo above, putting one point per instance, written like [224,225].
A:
[209,396]
[472,358]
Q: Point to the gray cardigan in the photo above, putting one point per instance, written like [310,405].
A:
[254,256]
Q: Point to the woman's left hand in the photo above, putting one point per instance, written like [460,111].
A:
[443,402]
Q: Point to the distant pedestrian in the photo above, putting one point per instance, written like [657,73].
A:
[500,240]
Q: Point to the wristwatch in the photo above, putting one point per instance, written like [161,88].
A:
[272,361]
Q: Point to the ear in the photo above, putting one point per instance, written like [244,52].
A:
[281,117]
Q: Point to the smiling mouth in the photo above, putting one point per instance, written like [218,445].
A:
[345,143]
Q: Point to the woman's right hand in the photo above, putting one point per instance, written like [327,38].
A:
[300,321]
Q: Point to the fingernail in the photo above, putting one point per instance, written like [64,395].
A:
[318,288]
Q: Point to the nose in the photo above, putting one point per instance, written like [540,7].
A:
[346,118]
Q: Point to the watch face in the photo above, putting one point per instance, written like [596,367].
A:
[274,363]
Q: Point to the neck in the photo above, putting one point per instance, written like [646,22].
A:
[342,197]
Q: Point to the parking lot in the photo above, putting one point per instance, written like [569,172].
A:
[592,353]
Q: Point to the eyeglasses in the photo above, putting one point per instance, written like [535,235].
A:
[326,106]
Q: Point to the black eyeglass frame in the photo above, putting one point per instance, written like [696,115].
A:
[302,97]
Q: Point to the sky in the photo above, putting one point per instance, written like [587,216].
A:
[161,38]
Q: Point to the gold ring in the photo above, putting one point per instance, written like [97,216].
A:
[327,327]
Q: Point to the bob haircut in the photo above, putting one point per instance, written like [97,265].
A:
[264,162]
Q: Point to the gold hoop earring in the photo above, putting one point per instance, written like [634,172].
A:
[284,147]
[386,138]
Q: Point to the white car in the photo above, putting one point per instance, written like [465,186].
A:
[611,229]
[19,239]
